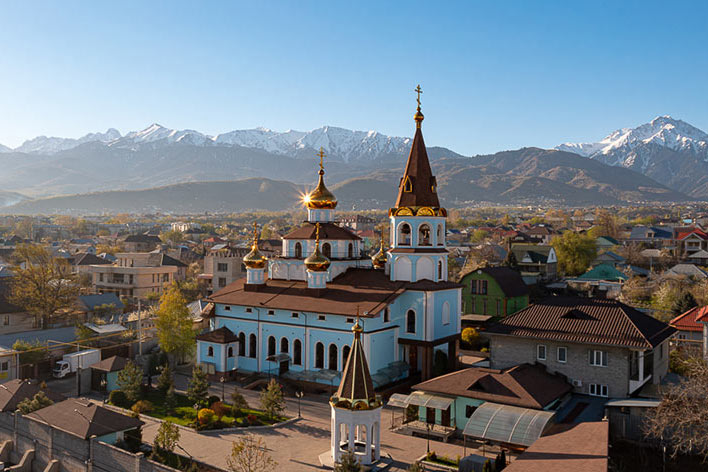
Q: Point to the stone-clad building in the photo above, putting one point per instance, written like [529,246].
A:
[604,347]
[295,318]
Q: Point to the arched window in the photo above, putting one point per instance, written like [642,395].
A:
[298,251]
[440,267]
[210,351]
[424,235]
[441,236]
[327,250]
[332,365]
[404,235]
[230,352]
[253,345]
[410,322]
[297,352]
[446,313]
[319,356]
[407,185]
[345,355]
[271,346]
[241,344]
[350,251]
[284,346]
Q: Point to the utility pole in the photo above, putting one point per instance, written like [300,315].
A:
[140,329]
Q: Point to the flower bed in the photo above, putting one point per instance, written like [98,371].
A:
[184,414]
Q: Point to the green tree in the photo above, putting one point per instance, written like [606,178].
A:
[683,303]
[130,381]
[175,332]
[39,401]
[198,389]
[479,235]
[249,454]
[172,237]
[348,463]
[575,252]
[272,401]
[510,260]
[165,381]
[167,437]
[170,400]
[31,352]
[42,284]
[237,400]
[470,336]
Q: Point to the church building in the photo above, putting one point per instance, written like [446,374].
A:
[293,314]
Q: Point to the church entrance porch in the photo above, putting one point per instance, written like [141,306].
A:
[414,350]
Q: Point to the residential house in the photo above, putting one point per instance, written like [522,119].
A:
[605,243]
[607,348]
[699,258]
[690,240]
[222,265]
[104,374]
[652,236]
[358,222]
[536,259]
[137,274]
[604,277]
[690,326]
[98,305]
[686,270]
[82,262]
[141,242]
[497,291]
[13,319]
[526,385]
[609,257]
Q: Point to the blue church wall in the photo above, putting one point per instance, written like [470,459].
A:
[451,297]
[415,222]
[217,355]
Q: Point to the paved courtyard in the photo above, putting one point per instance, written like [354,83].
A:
[296,446]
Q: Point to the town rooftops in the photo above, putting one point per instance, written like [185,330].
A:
[13,392]
[642,233]
[691,319]
[585,321]
[689,270]
[90,302]
[581,447]
[142,238]
[525,385]
[683,233]
[531,253]
[87,258]
[603,272]
[370,289]
[327,231]
[147,259]
[83,418]
[509,280]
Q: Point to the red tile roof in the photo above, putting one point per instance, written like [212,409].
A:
[684,234]
[586,321]
[525,385]
[691,320]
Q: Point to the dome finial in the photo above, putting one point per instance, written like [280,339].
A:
[357,329]
[317,262]
[321,198]
[418,117]
[379,259]
[254,259]
[322,155]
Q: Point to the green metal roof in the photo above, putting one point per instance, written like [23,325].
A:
[604,272]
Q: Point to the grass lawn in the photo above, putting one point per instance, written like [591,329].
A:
[185,415]
[443,460]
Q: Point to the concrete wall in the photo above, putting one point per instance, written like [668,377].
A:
[73,453]
[508,351]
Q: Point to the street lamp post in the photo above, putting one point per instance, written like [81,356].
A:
[299,395]
[222,380]
[104,384]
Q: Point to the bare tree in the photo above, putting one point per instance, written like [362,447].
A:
[249,454]
[681,419]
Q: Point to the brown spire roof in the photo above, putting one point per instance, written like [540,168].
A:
[418,187]
[356,390]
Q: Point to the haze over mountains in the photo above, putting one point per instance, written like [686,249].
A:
[664,160]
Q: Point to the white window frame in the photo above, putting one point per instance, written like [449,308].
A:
[603,355]
[538,352]
[565,354]
[598,390]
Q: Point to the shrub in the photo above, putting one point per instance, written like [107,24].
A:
[213,399]
[238,401]
[165,380]
[205,416]
[118,398]
[38,402]
[130,381]
[198,390]
[220,409]
[470,337]
[142,406]
[272,401]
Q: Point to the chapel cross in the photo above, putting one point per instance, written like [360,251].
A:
[418,90]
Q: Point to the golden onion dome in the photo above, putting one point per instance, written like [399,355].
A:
[321,198]
[380,258]
[316,261]
[254,259]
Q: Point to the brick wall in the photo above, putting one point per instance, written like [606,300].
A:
[507,351]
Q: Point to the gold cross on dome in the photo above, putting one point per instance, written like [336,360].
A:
[418,90]
[255,231]
[322,155]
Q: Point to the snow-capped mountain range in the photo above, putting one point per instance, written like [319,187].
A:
[339,143]
[668,150]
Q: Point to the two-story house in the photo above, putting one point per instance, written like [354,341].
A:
[223,265]
[604,347]
[137,274]
[536,259]
[496,291]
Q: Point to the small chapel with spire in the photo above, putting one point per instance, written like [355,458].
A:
[302,315]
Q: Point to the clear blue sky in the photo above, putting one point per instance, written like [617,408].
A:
[495,75]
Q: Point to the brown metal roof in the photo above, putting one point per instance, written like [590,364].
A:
[222,335]
[327,231]
[586,321]
[419,250]
[83,418]
[356,386]
[525,385]
[110,364]
[421,178]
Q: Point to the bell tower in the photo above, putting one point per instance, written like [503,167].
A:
[418,247]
